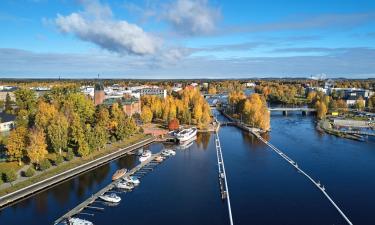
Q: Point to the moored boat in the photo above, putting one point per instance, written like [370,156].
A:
[125,185]
[145,155]
[186,134]
[159,158]
[118,174]
[78,221]
[110,198]
[132,179]
[168,152]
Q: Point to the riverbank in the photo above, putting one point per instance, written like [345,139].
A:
[70,169]
[325,126]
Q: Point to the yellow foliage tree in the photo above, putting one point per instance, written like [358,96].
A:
[16,144]
[321,109]
[146,114]
[37,148]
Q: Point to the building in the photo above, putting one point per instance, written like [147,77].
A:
[4,90]
[145,90]
[6,122]
[130,105]
[353,99]
[99,94]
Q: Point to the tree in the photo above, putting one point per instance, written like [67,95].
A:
[16,144]
[255,112]
[360,103]
[174,124]
[25,99]
[57,133]
[146,114]
[44,115]
[8,104]
[37,148]
[321,109]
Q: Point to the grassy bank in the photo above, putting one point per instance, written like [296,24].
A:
[77,161]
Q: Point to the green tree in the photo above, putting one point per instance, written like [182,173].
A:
[26,99]
[8,104]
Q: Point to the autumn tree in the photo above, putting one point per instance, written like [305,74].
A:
[360,103]
[25,99]
[16,144]
[255,112]
[174,124]
[146,114]
[321,109]
[37,147]
[57,133]
[44,115]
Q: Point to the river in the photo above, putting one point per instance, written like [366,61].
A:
[264,189]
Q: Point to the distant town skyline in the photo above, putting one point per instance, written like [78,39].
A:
[186,39]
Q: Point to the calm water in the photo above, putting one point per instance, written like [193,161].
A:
[264,188]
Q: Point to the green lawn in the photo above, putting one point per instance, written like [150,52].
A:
[71,164]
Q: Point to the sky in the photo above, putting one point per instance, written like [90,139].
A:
[188,39]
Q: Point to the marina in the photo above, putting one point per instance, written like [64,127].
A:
[140,170]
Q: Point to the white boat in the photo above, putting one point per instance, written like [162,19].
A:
[132,179]
[186,134]
[110,198]
[168,152]
[186,144]
[145,155]
[125,185]
[78,221]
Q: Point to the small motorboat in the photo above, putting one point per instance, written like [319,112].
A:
[78,221]
[159,158]
[118,174]
[139,152]
[110,198]
[145,155]
[132,179]
[168,152]
[125,185]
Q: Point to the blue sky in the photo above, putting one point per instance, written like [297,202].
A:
[186,38]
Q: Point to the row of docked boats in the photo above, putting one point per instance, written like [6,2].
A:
[126,183]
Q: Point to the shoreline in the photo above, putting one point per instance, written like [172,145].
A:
[21,193]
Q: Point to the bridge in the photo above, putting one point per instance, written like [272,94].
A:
[286,110]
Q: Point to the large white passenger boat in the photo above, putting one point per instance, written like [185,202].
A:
[186,134]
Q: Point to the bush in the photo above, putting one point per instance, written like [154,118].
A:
[45,164]
[9,176]
[59,159]
[69,155]
[1,179]
[29,172]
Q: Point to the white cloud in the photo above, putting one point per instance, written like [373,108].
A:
[192,17]
[96,24]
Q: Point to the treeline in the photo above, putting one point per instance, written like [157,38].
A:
[252,110]
[188,107]
[292,93]
[323,103]
[63,120]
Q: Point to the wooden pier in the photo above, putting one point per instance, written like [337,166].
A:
[142,169]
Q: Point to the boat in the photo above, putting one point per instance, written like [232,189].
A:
[186,144]
[78,221]
[132,180]
[145,155]
[125,185]
[186,134]
[110,198]
[168,152]
[139,152]
[118,174]
[159,159]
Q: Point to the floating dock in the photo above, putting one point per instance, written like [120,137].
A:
[141,169]
[223,177]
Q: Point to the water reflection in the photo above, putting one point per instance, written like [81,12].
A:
[203,139]
[127,162]
[61,192]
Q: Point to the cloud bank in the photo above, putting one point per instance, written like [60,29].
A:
[97,25]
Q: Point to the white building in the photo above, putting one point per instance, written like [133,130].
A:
[6,122]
